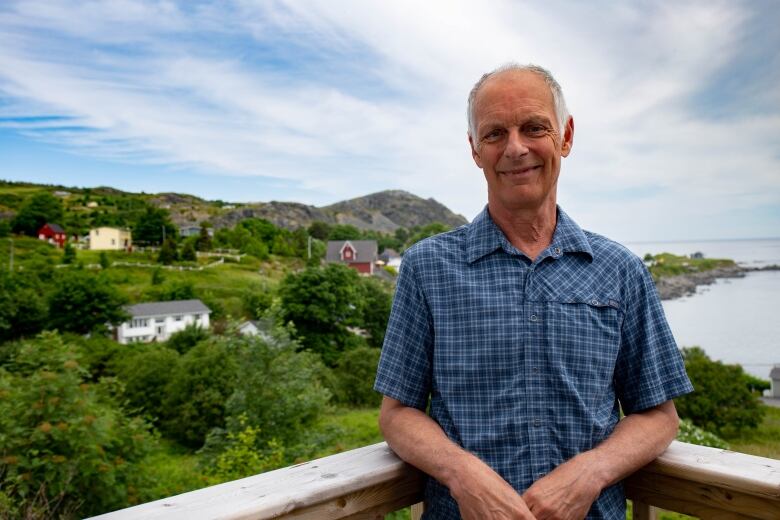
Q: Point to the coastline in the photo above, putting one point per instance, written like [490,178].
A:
[678,286]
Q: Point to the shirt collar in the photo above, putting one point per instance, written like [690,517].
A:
[484,237]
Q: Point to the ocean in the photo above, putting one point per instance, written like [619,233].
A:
[734,320]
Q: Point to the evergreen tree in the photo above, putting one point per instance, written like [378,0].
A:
[37,211]
[168,252]
[68,254]
[149,227]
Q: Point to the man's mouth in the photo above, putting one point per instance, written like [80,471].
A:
[520,171]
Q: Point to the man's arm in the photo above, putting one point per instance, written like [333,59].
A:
[479,491]
[569,490]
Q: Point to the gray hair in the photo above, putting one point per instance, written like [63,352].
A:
[561,112]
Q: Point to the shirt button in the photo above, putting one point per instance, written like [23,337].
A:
[539,475]
[534,317]
[557,251]
[535,370]
[537,422]
[594,302]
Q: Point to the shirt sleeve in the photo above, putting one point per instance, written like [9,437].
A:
[404,371]
[649,369]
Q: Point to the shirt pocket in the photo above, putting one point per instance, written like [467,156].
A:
[583,334]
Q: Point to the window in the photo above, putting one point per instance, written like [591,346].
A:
[159,320]
[113,242]
[196,316]
[178,318]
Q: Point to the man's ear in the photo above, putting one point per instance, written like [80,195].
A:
[568,137]
[474,152]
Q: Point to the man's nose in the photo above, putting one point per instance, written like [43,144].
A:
[515,145]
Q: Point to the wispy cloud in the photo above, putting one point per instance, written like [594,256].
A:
[342,98]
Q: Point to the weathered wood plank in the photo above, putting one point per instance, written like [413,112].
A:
[697,498]
[368,482]
[417,510]
[286,491]
[642,511]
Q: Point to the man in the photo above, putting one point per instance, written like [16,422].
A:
[525,336]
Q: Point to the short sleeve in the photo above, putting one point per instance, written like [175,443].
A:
[404,371]
[649,369]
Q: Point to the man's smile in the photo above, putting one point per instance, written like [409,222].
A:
[520,171]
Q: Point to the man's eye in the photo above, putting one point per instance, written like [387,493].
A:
[493,135]
[535,130]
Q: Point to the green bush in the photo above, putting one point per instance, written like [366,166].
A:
[354,377]
[187,338]
[194,401]
[83,302]
[691,433]
[145,372]
[722,402]
[66,449]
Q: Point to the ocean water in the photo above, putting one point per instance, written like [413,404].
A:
[735,320]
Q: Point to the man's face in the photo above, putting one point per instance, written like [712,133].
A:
[517,143]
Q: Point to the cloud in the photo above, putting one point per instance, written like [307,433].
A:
[343,98]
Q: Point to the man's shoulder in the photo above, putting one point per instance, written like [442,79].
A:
[610,252]
[449,245]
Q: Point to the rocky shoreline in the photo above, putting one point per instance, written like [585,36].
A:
[672,287]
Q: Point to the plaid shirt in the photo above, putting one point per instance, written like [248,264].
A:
[526,364]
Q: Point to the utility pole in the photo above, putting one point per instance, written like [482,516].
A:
[309,247]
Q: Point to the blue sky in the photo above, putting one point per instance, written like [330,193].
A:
[676,105]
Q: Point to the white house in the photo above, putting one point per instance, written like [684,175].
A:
[156,321]
[110,238]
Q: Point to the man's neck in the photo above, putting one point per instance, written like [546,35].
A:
[530,230]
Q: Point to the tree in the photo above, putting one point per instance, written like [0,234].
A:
[354,375]
[376,310]
[23,309]
[144,372]
[722,401]
[38,210]
[194,401]
[187,338]
[149,227]
[83,302]
[66,449]
[168,252]
[68,254]
[344,232]
[188,252]
[320,230]
[323,302]
[429,230]
[203,243]
[105,263]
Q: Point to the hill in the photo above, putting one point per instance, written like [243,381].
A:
[384,211]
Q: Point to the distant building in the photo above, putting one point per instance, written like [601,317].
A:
[360,255]
[697,255]
[53,234]
[191,231]
[115,239]
[92,204]
[157,321]
[774,376]
[391,258]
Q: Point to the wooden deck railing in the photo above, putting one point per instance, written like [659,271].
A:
[369,482]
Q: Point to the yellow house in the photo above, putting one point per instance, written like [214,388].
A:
[110,238]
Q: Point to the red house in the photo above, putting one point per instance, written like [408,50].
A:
[357,254]
[53,234]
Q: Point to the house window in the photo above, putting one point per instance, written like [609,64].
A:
[196,316]
[113,242]
[139,322]
[159,320]
[178,318]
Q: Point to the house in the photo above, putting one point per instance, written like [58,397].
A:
[254,328]
[157,321]
[53,234]
[391,258]
[357,254]
[193,231]
[110,238]
[774,376]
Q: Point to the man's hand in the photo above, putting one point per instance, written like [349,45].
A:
[481,493]
[565,494]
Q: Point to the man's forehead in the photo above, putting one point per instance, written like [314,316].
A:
[514,90]
[511,82]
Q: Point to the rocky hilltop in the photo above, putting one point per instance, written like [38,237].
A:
[384,211]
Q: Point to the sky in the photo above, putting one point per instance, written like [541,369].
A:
[676,105]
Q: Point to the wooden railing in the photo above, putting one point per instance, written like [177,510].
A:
[369,482]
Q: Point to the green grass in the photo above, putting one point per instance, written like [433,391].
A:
[763,441]
[667,264]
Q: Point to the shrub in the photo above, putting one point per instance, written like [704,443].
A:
[187,338]
[145,374]
[194,401]
[354,377]
[689,432]
[83,302]
[65,447]
[722,401]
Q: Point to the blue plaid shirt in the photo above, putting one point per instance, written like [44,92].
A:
[526,364]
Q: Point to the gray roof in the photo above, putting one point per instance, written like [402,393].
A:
[388,253]
[167,308]
[775,372]
[365,250]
